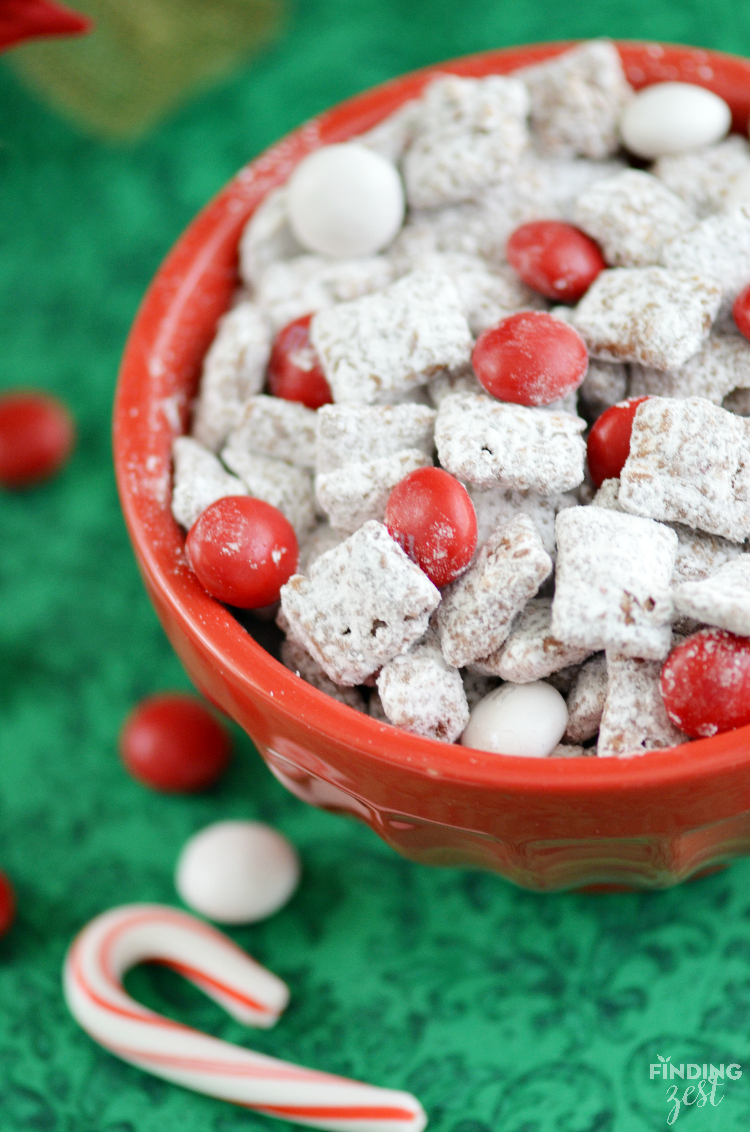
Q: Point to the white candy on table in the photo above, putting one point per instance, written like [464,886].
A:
[518,719]
[237,872]
[345,200]
[672,118]
[120,939]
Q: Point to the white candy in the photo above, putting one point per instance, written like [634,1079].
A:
[672,118]
[237,872]
[345,200]
[518,719]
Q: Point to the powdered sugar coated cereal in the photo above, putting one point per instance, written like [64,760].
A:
[233,370]
[531,652]
[276,482]
[352,495]
[647,314]
[291,288]
[477,610]
[634,719]
[267,237]
[392,341]
[705,178]
[721,365]
[391,137]
[487,293]
[717,248]
[613,582]
[604,385]
[577,99]
[722,599]
[660,550]
[496,506]
[423,694]
[586,700]
[198,481]
[295,657]
[631,217]
[320,540]
[363,603]
[470,132]
[485,443]
[271,426]
[699,555]
[356,433]
[688,464]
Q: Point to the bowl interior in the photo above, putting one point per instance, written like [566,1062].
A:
[159,374]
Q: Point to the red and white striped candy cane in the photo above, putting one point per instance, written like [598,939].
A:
[118,940]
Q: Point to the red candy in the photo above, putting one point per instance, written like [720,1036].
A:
[530,358]
[7,904]
[432,518]
[30,19]
[294,371]
[609,440]
[243,550]
[705,683]
[741,311]
[555,259]
[172,742]
[36,437]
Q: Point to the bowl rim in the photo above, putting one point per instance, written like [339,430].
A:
[139,439]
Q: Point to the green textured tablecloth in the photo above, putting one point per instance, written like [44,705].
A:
[500,1009]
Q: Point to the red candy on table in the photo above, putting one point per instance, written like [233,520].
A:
[431,517]
[608,445]
[530,358]
[36,437]
[555,259]
[172,742]
[243,550]
[741,311]
[7,904]
[705,683]
[294,371]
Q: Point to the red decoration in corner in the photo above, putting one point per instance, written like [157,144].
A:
[30,19]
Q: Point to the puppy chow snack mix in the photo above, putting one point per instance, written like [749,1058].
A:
[347,369]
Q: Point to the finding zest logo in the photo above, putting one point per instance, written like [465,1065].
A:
[712,1074]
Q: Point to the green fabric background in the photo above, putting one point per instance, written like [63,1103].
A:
[501,1010]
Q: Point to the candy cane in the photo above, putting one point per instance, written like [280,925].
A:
[118,940]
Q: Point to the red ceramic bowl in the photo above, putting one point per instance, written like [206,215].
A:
[546,824]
